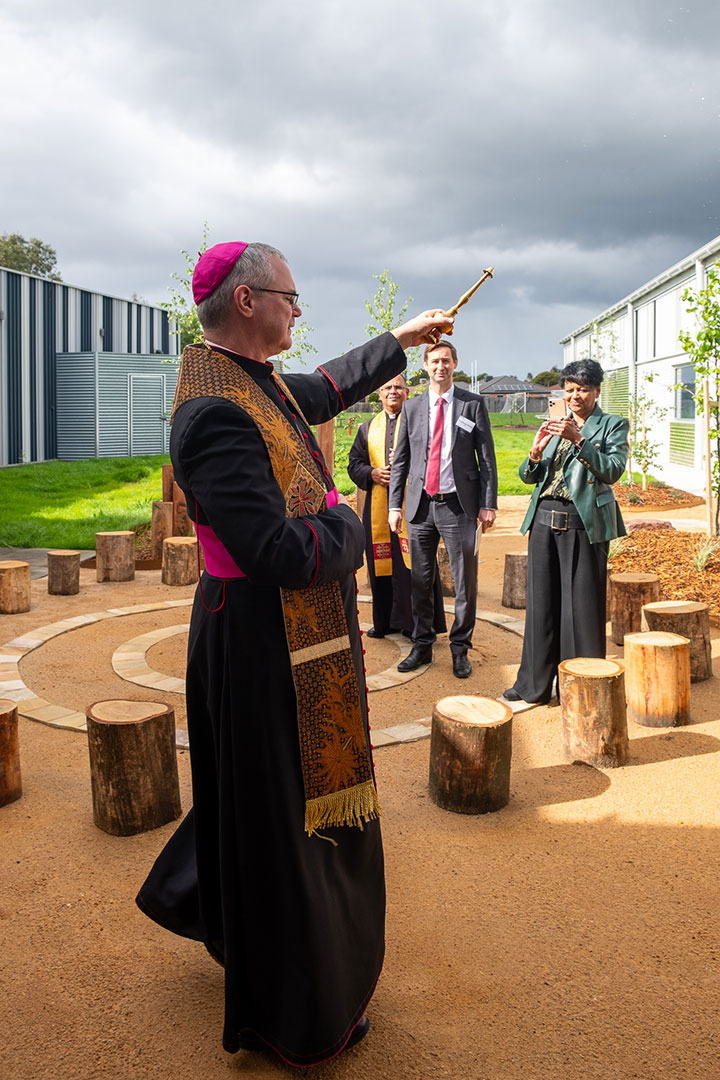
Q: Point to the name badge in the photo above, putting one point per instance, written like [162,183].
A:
[464,423]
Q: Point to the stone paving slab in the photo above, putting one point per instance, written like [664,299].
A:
[129,661]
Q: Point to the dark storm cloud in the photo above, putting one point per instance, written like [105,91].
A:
[576,148]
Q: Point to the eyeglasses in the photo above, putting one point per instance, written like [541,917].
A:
[291,297]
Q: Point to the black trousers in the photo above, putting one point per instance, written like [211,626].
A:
[449,521]
[565,609]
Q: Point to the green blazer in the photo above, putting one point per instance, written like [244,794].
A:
[590,470]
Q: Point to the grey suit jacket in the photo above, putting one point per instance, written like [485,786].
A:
[473,455]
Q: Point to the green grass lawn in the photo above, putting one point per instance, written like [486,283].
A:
[511,448]
[63,504]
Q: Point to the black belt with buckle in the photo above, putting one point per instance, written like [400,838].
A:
[444,496]
[560,520]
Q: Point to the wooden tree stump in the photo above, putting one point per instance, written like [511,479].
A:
[168,479]
[182,525]
[470,750]
[179,560]
[657,678]
[515,579]
[14,587]
[63,573]
[629,592]
[133,766]
[162,525]
[594,720]
[10,779]
[325,434]
[115,556]
[360,497]
[690,620]
[447,586]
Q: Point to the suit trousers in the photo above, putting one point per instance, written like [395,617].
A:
[447,520]
[565,609]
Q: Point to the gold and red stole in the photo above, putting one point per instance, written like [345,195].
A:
[382,552]
[336,766]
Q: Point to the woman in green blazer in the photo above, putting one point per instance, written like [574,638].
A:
[572,516]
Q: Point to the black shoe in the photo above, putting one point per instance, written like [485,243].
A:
[418,655]
[461,665]
[372,632]
[358,1032]
[512,695]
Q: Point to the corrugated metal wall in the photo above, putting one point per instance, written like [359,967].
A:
[113,405]
[41,319]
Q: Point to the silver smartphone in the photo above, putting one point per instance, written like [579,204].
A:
[557,408]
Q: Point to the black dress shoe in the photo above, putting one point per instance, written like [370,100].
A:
[461,666]
[418,655]
[372,632]
[512,695]
[358,1032]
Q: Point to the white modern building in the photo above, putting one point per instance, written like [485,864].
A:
[638,337]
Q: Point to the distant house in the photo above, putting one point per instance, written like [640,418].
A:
[81,374]
[506,393]
[637,336]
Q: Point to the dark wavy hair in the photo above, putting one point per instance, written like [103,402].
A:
[585,372]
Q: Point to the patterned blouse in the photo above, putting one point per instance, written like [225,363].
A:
[554,486]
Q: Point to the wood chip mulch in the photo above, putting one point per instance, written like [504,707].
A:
[655,497]
[668,553]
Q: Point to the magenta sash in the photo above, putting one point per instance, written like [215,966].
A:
[218,560]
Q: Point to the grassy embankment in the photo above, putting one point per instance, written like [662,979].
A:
[64,503]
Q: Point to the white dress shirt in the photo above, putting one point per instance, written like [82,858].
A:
[447,480]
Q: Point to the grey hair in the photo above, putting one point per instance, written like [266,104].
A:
[253,268]
[584,372]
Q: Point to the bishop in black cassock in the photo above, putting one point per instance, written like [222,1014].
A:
[293,909]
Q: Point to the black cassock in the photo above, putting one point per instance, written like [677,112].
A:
[298,920]
[391,593]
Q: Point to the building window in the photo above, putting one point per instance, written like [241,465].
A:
[616,392]
[685,388]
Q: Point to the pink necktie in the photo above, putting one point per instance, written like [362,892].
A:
[432,479]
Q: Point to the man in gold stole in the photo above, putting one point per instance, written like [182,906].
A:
[278,867]
[387,554]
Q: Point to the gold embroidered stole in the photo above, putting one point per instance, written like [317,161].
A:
[337,772]
[382,552]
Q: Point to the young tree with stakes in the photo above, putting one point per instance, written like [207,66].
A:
[703,348]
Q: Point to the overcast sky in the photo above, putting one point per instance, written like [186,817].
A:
[575,147]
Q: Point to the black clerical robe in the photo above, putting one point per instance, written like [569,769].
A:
[391,594]
[297,920]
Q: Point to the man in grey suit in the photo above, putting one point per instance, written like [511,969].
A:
[444,462]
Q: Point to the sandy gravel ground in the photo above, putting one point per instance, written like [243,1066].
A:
[571,936]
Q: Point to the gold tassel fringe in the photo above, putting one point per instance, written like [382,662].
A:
[350,806]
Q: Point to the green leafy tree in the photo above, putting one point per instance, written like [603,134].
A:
[181,306]
[461,376]
[547,378]
[383,316]
[301,348]
[645,415]
[703,348]
[30,256]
